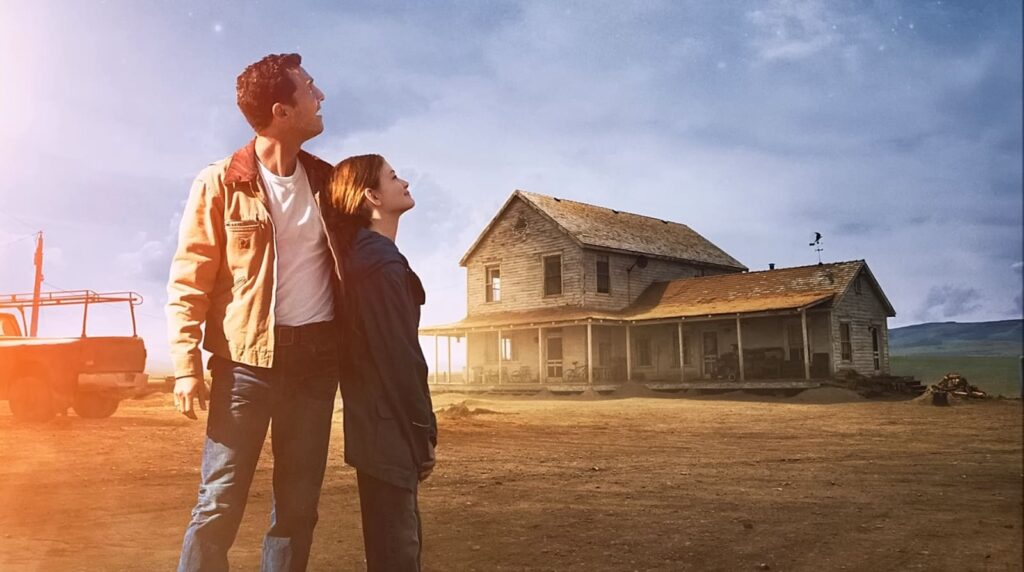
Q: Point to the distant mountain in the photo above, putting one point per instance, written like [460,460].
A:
[1003,338]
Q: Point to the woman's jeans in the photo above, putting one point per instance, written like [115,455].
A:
[295,399]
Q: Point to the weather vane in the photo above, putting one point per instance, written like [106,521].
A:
[816,243]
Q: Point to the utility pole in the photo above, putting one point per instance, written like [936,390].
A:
[38,284]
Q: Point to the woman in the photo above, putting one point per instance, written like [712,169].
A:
[390,428]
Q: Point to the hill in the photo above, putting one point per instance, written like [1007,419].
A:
[1003,338]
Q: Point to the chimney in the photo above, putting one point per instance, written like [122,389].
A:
[771,266]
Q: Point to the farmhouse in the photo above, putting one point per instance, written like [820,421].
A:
[568,296]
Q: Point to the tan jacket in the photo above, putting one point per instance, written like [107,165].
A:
[224,270]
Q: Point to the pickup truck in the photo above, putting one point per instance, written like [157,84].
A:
[41,377]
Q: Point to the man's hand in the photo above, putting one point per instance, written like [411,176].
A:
[187,389]
[428,467]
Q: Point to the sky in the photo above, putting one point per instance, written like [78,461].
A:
[892,128]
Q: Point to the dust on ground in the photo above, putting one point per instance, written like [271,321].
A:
[826,481]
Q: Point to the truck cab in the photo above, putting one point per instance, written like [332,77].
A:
[41,377]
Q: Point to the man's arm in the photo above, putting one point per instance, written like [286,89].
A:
[192,278]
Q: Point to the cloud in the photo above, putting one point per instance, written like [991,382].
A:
[949,301]
[151,261]
[792,30]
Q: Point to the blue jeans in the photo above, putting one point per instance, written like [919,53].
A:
[296,399]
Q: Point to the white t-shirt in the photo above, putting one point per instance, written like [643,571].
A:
[304,270]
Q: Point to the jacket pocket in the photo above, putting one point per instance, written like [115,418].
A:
[247,242]
[383,409]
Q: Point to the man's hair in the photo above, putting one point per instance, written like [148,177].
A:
[263,84]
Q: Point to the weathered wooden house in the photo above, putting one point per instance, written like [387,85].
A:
[567,295]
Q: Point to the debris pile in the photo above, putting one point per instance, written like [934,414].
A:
[880,385]
[957,385]
[462,410]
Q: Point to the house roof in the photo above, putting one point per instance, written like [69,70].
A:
[722,295]
[603,228]
[781,289]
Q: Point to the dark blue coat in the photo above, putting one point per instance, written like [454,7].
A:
[389,419]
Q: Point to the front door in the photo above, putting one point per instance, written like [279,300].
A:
[709,343]
[554,361]
[876,353]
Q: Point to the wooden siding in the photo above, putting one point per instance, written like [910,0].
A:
[520,259]
[861,311]
[639,279]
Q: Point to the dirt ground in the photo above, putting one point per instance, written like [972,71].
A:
[726,483]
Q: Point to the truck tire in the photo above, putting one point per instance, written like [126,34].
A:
[93,405]
[31,399]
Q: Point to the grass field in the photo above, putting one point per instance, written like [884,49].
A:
[995,375]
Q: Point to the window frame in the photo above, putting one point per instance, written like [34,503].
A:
[544,275]
[845,346]
[643,349]
[489,289]
[598,260]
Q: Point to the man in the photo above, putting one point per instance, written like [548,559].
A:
[255,263]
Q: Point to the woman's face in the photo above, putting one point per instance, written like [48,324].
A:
[392,194]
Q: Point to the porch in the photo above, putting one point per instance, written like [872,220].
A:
[788,349]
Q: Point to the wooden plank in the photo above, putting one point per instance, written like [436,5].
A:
[739,347]
[629,355]
[499,357]
[682,369]
[590,354]
[737,385]
[541,370]
[807,349]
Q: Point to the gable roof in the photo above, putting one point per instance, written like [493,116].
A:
[782,289]
[598,227]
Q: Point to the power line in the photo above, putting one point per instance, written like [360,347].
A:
[19,239]
[17,220]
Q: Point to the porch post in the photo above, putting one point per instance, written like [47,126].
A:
[499,356]
[831,345]
[739,347]
[590,353]
[629,355]
[540,355]
[449,338]
[807,349]
[437,362]
[682,370]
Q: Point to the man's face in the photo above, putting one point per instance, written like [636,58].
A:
[303,117]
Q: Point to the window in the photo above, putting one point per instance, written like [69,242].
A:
[553,275]
[493,284]
[876,352]
[490,341]
[858,286]
[795,333]
[846,347]
[643,351]
[508,350]
[604,281]
[688,347]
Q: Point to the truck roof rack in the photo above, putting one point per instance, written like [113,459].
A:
[69,298]
[83,298]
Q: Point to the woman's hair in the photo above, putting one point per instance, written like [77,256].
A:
[347,200]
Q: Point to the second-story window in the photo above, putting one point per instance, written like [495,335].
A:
[604,281]
[553,275]
[493,284]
